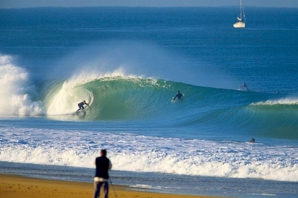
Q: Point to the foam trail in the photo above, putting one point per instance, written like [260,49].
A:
[16,91]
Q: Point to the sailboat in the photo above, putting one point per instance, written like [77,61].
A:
[241,19]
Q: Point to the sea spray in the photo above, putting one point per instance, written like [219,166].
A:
[142,59]
[62,98]
[16,91]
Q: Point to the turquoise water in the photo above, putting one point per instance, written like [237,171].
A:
[128,63]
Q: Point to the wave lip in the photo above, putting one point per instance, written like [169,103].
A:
[283,101]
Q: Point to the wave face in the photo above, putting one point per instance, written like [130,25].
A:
[111,98]
[119,98]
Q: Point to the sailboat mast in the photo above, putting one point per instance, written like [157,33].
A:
[241,10]
[241,19]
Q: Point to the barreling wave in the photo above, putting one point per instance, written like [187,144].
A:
[116,96]
[119,97]
[112,98]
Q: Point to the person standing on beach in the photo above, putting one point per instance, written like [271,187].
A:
[101,178]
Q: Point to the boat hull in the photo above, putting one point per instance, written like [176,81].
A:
[239,25]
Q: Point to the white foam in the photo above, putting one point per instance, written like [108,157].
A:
[16,90]
[282,101]
[144,186]
[150,154]
[64,100]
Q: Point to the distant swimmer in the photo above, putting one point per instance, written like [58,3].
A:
[244,87]
[178,95]
[252,140]
[81,105]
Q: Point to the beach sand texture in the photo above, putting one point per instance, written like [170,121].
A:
[13,186]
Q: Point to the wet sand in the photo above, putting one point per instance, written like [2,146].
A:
[13,186]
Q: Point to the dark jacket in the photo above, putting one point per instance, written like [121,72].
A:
[102,164]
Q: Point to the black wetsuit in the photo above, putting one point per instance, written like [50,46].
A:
[81,105]
[179,96]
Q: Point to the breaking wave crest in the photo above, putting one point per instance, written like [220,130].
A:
[17,93]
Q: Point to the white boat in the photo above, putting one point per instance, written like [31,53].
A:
[241,19]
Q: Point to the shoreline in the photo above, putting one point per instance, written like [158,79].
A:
[137,183]
[12,186]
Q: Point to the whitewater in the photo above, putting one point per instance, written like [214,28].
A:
[129,72]
[151,154]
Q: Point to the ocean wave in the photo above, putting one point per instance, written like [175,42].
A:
[115,95]
[282,101]
[109,97]
[17,91]
[137,153]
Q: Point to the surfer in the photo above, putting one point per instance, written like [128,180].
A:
[81,105]
[252,140]
[244,87]
[178,95]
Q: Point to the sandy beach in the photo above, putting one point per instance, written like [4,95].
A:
[13,186]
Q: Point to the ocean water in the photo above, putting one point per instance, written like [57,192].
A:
[128,64]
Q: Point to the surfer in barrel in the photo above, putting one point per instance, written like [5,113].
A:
[81,105]
[178,95]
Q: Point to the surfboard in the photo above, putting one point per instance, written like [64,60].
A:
[177,98]
[82,111]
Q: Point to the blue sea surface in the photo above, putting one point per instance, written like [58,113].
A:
[128,64]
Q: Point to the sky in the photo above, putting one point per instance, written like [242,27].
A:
[145,3]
